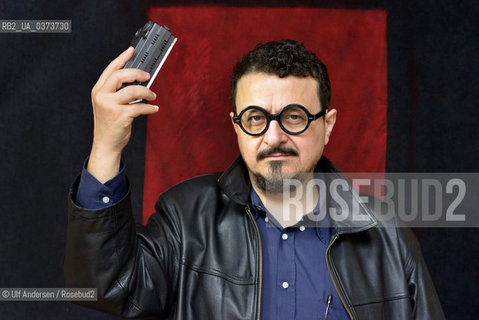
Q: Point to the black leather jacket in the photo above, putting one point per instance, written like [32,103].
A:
[199,257]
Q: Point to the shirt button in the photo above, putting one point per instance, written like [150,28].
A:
[284,236]
[105,199]
[266,219]
[301,228]
[285,285]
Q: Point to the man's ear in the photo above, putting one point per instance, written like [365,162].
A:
[235,126]
[329,121]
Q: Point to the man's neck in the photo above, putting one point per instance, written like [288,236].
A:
[289,207]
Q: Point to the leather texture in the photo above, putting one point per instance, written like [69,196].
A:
[199,257]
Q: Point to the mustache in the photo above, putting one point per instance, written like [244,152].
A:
[264,153]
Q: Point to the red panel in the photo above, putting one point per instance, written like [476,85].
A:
[192,133]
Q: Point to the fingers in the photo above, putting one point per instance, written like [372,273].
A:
[118,77]
[116,64]
[130,93]
[138,109]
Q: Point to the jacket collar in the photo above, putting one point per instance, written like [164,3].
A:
[235,183]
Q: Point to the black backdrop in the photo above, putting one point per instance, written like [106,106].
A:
[46,130]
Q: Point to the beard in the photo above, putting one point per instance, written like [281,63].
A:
[274,183]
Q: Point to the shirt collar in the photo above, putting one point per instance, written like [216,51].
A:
[321,227]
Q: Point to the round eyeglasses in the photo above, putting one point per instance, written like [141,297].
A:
[293,119]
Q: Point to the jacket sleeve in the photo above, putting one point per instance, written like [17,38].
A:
[425,302]
[135,269]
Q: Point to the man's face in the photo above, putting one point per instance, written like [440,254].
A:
[277,155]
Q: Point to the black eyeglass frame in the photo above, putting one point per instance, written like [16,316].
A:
[277,117]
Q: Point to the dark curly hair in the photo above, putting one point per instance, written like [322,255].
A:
[283,58]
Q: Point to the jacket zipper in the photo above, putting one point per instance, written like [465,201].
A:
[260,261]
[332,277]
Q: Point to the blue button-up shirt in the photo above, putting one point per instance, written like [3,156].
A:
[296,282]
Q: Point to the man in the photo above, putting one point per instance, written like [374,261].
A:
[223,246]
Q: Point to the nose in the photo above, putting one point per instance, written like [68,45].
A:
[275,136]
